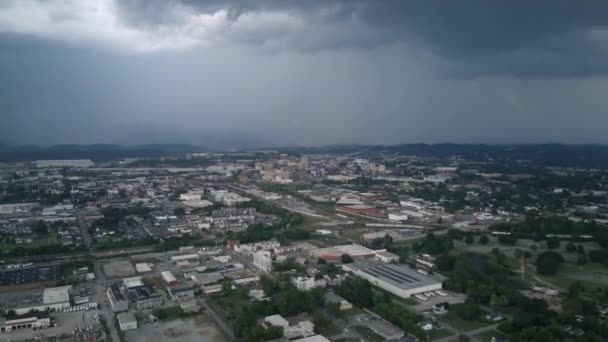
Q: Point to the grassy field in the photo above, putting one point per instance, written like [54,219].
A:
[353,233]
[229,306]
[591,276]
[487,336]
[452,319]
[436,334]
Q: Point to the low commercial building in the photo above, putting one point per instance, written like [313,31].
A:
[34,320]
[145,297]
[132,282]
[399,280]
[263,260]
[332,298]
[127,321]
[117,300]
[335,253]
[169,278]
[47,275]
[53,299]
[180,293]
[77,163]
[379,326]
[143,268]
[301,329]
[307,283]
[386,256]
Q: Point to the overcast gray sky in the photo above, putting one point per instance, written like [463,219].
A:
[291,72]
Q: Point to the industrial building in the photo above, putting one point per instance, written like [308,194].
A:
[382,328]
[33,320]
[399,280]
[63,163]
[336,252]
[53,299]
[46,275]
[169,278]
[145,297]
[116,298]
[180,293]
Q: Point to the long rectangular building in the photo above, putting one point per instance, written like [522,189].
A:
[399,280]
[37,274]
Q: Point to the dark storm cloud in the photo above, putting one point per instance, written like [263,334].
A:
[253,72]
[525,38]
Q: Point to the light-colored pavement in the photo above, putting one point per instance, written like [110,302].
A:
[106,311]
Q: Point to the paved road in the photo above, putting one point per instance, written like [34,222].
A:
[106,311]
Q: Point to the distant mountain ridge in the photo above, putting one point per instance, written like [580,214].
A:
[96,152]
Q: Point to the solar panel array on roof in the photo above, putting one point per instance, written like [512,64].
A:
[392,274]
[116,292]
[29,275]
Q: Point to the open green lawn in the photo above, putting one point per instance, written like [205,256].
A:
[436,334]
[523,245]
[353,233]
[487,336]
[229,306]
[453,320]
[591,276]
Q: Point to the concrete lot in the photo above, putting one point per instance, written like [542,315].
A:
[196,329]
[66,324]
[119,269]
[452,298]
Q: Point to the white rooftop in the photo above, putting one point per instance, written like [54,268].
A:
[143,267]
[53,295]
[277,320]
[132,282]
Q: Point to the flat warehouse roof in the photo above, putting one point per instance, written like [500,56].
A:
[34,274]
[397,275]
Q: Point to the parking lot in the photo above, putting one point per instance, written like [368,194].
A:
[451,298]
[68,323]
[195,329]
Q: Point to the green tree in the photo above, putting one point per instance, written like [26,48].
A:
[582,259]
[547,263]
[484,240]
[179,212]
[444,263]
[227,287]
[553,243]
[40,228]
[346,259]
[469,240]
[570,247]
[468,311]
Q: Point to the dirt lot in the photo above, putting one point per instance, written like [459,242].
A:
[196,329]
